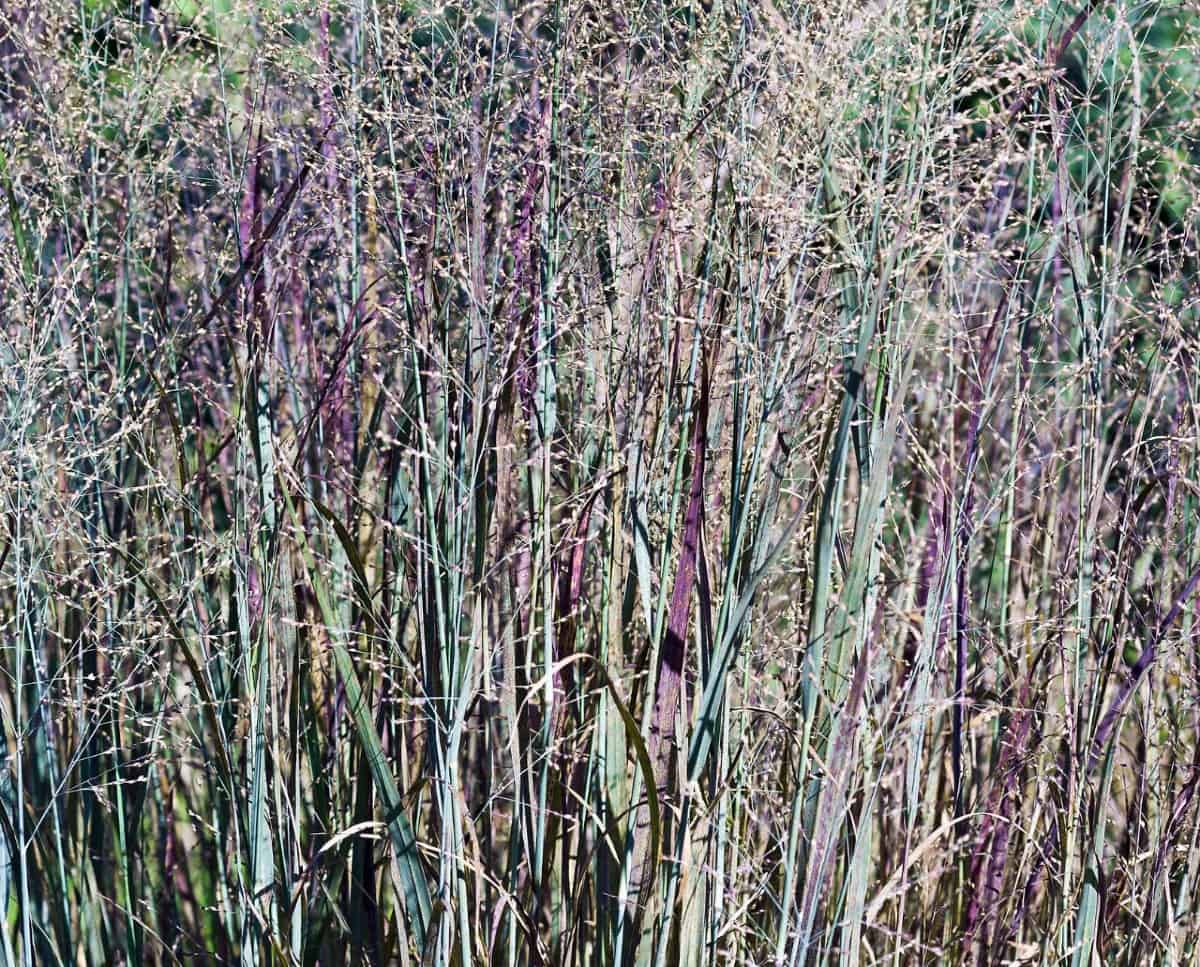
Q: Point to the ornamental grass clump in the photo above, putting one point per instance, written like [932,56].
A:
[572,483]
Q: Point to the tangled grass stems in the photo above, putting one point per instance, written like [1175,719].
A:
[584,483]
